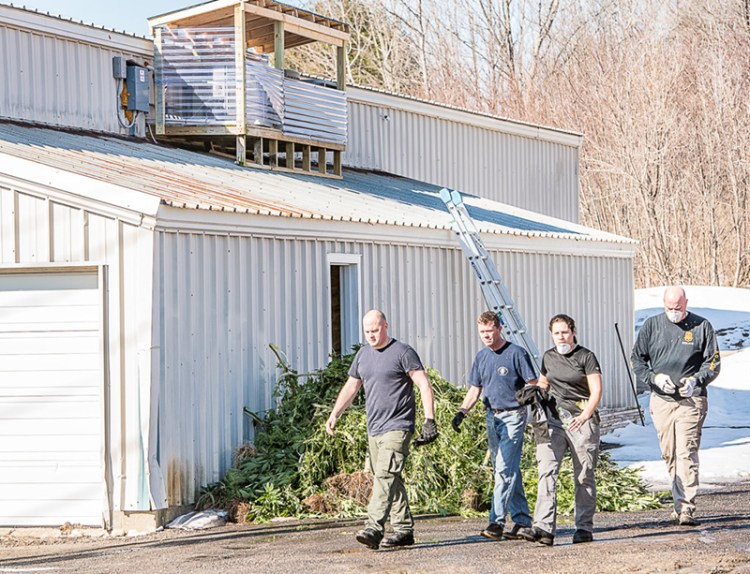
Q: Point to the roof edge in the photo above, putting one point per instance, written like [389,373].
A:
[411,104]
[176,219]
[58,25]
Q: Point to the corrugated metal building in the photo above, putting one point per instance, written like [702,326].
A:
[194,265]
[140,286]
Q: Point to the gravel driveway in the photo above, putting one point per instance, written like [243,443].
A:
[640,542]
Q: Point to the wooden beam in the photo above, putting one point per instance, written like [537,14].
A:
[341,68]
[318,33]
[239,66]
[270,133]
[241,158]
[306,157]
[201,9]
[225,130]
[300,26]
[278,45]
[322,160]
[252,131]
[289,155]
[224,18]
[337,162]
[273,152]
[258,151]
[159,95]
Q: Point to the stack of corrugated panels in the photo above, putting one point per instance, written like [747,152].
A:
[264,92]
[314,111]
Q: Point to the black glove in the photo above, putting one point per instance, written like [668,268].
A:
[429,433]
[457,420]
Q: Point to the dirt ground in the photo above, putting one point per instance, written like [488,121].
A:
[638,542]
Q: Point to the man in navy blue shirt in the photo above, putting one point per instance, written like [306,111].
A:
[499,370]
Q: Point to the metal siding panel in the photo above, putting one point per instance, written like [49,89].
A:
[34,229]
[130,391]
[594,291]
[57,81]
[8,225]
[68,241]
[528,173]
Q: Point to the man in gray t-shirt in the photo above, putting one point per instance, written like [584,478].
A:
[387,369]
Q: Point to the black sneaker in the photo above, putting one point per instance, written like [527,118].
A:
[369,538]
[398,539]
[517,532]
[582,536]
[493,531]
[538,535]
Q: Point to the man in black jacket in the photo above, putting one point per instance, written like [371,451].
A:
[676,354]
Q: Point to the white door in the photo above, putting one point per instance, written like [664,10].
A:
[51,399]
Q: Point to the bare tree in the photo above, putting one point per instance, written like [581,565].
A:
[658,88]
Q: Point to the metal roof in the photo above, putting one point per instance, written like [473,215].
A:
[69,19]
[271,4]
[192,180]
[380,96]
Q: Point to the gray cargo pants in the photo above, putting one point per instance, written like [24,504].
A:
[584,450]
[387,454]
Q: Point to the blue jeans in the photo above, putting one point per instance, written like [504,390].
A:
[505,435]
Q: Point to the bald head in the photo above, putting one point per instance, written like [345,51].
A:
[376,329]
[675,303]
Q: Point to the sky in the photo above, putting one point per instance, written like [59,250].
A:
[129,15]
[725,446]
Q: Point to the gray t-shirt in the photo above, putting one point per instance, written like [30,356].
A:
[389,392]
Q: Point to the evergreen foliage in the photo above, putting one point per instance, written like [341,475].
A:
[295,458]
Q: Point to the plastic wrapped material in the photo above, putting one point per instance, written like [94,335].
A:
[199,520]
[196,73]
[264,94]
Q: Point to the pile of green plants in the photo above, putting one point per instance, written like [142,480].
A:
[297,469]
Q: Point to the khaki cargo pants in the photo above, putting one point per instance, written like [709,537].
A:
[679,425]
[387,454]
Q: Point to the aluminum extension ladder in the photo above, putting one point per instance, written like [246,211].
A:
[495,293]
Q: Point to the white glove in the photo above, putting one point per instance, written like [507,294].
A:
[689,386]
[664,382]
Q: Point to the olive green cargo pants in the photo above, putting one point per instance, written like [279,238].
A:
[387,456]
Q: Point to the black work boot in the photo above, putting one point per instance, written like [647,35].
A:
[493,531]
[398,539]
[369,538]
[582,536]
[539,535]
[517,532]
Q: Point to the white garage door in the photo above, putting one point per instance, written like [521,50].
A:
[51,399]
